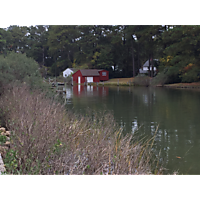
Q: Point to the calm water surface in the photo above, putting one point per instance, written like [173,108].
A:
[141,110]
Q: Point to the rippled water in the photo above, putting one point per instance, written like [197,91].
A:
[141,110]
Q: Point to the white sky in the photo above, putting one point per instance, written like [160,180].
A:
[6,26]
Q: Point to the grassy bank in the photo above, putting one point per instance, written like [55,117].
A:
[133,81]
[195,85]
[147,81]
[119,81]
[45,139]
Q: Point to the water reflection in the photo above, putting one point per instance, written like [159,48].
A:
[89,90]
[173,113]
[69,93]
[134,126]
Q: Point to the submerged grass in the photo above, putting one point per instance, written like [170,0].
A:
[47,139]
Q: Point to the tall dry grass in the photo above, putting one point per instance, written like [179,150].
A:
[45,139]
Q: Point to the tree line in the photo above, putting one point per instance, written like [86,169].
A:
[121,49]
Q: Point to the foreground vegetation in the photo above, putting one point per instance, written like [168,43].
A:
[45,139]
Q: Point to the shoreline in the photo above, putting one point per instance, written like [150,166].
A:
[141,81]
[193,85]
[130,82]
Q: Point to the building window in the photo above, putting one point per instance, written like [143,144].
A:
[103,73]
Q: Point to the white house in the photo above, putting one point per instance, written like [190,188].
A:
[69,71]
[144,68]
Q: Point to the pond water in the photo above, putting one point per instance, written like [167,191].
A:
[141,110]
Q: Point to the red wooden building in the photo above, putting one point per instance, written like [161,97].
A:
[90,76]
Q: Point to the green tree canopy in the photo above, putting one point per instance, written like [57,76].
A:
[181,55]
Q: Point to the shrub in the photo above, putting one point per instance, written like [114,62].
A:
[18,67]
[61,78]
[191,75]
[160,79]
[167,76]
[142,80]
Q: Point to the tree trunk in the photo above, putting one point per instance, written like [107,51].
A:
[68,56]
[43,57]
[133,60]
[138,56]
[124,40]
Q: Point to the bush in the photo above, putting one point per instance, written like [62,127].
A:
[18,67]
[167,76]
[160,79]
[192,75]
[61,78]
[142,80]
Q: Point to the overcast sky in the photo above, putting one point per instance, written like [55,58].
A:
[6,26]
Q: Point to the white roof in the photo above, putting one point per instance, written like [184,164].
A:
[146,64]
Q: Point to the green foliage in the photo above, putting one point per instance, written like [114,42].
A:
[193,75]
[36,44]
[18,67]
[10,161]
[2,139]
[2,40]
[161,79]
[181,55]
[103,46]
[57,148]
[84,66]
[62,45]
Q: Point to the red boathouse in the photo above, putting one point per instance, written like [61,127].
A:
[90,76]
